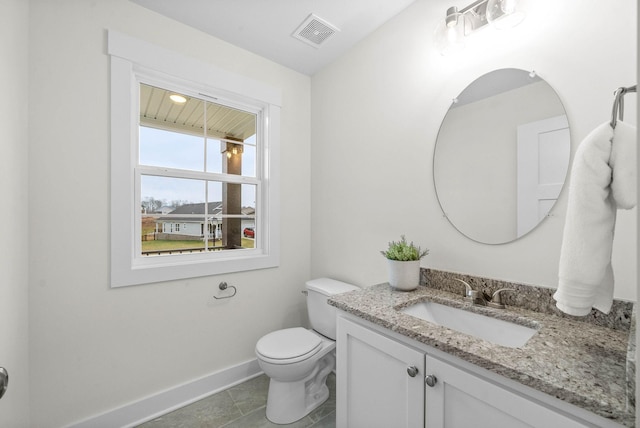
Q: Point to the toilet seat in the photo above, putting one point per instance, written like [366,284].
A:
[288,346]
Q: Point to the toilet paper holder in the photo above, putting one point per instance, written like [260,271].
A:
[223,286]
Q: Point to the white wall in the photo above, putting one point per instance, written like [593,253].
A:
[375,118]
[94,348]
[14,332]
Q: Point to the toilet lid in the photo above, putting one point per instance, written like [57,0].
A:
[288,343]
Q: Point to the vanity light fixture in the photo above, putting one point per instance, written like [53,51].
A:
[459,24]
[504,13]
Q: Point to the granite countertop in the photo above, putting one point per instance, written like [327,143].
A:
[578,362]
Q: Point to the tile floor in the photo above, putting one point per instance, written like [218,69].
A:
[243,406]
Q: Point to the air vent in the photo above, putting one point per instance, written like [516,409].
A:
[314,31]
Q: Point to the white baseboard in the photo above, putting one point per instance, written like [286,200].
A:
[166,401]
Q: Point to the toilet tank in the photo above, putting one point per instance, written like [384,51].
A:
[322,316]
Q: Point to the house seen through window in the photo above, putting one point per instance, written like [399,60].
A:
[197,178]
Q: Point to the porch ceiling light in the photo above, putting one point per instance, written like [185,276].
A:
[178,99]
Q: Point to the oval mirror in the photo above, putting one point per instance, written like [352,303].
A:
[501,156]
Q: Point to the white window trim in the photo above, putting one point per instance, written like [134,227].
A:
[129,56]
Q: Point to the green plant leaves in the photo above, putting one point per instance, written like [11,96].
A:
[403,251]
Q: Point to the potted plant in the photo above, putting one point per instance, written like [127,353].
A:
[404,264]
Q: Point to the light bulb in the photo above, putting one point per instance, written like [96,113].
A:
[449,35]
[504,13]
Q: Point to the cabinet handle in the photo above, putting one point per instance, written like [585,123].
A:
[431,380]
[4,381]
[412,371]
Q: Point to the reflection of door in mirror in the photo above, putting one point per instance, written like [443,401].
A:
[542,167]
[475,168]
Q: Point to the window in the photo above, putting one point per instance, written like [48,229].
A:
[194,165]
[197,159]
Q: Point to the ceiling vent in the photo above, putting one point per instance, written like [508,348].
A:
[314,31]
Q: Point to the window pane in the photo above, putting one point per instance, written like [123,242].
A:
[171,149]
[249,196]
[156,192]
[235,213]
[240,198]
[228,122]
[172,215]
[249,157]
[215,157]
[233,158]
[171,131]
[248,211]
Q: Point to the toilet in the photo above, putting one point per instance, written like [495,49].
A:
[298,360]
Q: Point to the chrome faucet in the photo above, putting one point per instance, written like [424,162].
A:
[482,298]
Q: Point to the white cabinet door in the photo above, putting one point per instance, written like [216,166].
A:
[374,386]
[461,399]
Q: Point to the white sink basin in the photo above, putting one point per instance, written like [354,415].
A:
[493,330]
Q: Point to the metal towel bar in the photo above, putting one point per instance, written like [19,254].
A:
[618,103]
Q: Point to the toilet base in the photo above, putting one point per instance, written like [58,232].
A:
[288,402]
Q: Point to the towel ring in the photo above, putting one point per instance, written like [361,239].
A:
[618,103]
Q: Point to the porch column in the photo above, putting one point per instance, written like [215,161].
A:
[232,196]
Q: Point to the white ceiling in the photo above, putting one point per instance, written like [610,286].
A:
[265,27]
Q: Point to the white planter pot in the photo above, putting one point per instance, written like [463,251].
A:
[404,276]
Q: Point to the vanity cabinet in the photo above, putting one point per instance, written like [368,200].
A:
[461,399]
[380,382]
[375,388]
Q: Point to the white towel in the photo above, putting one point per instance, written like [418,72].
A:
[585,274]
[624,183]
